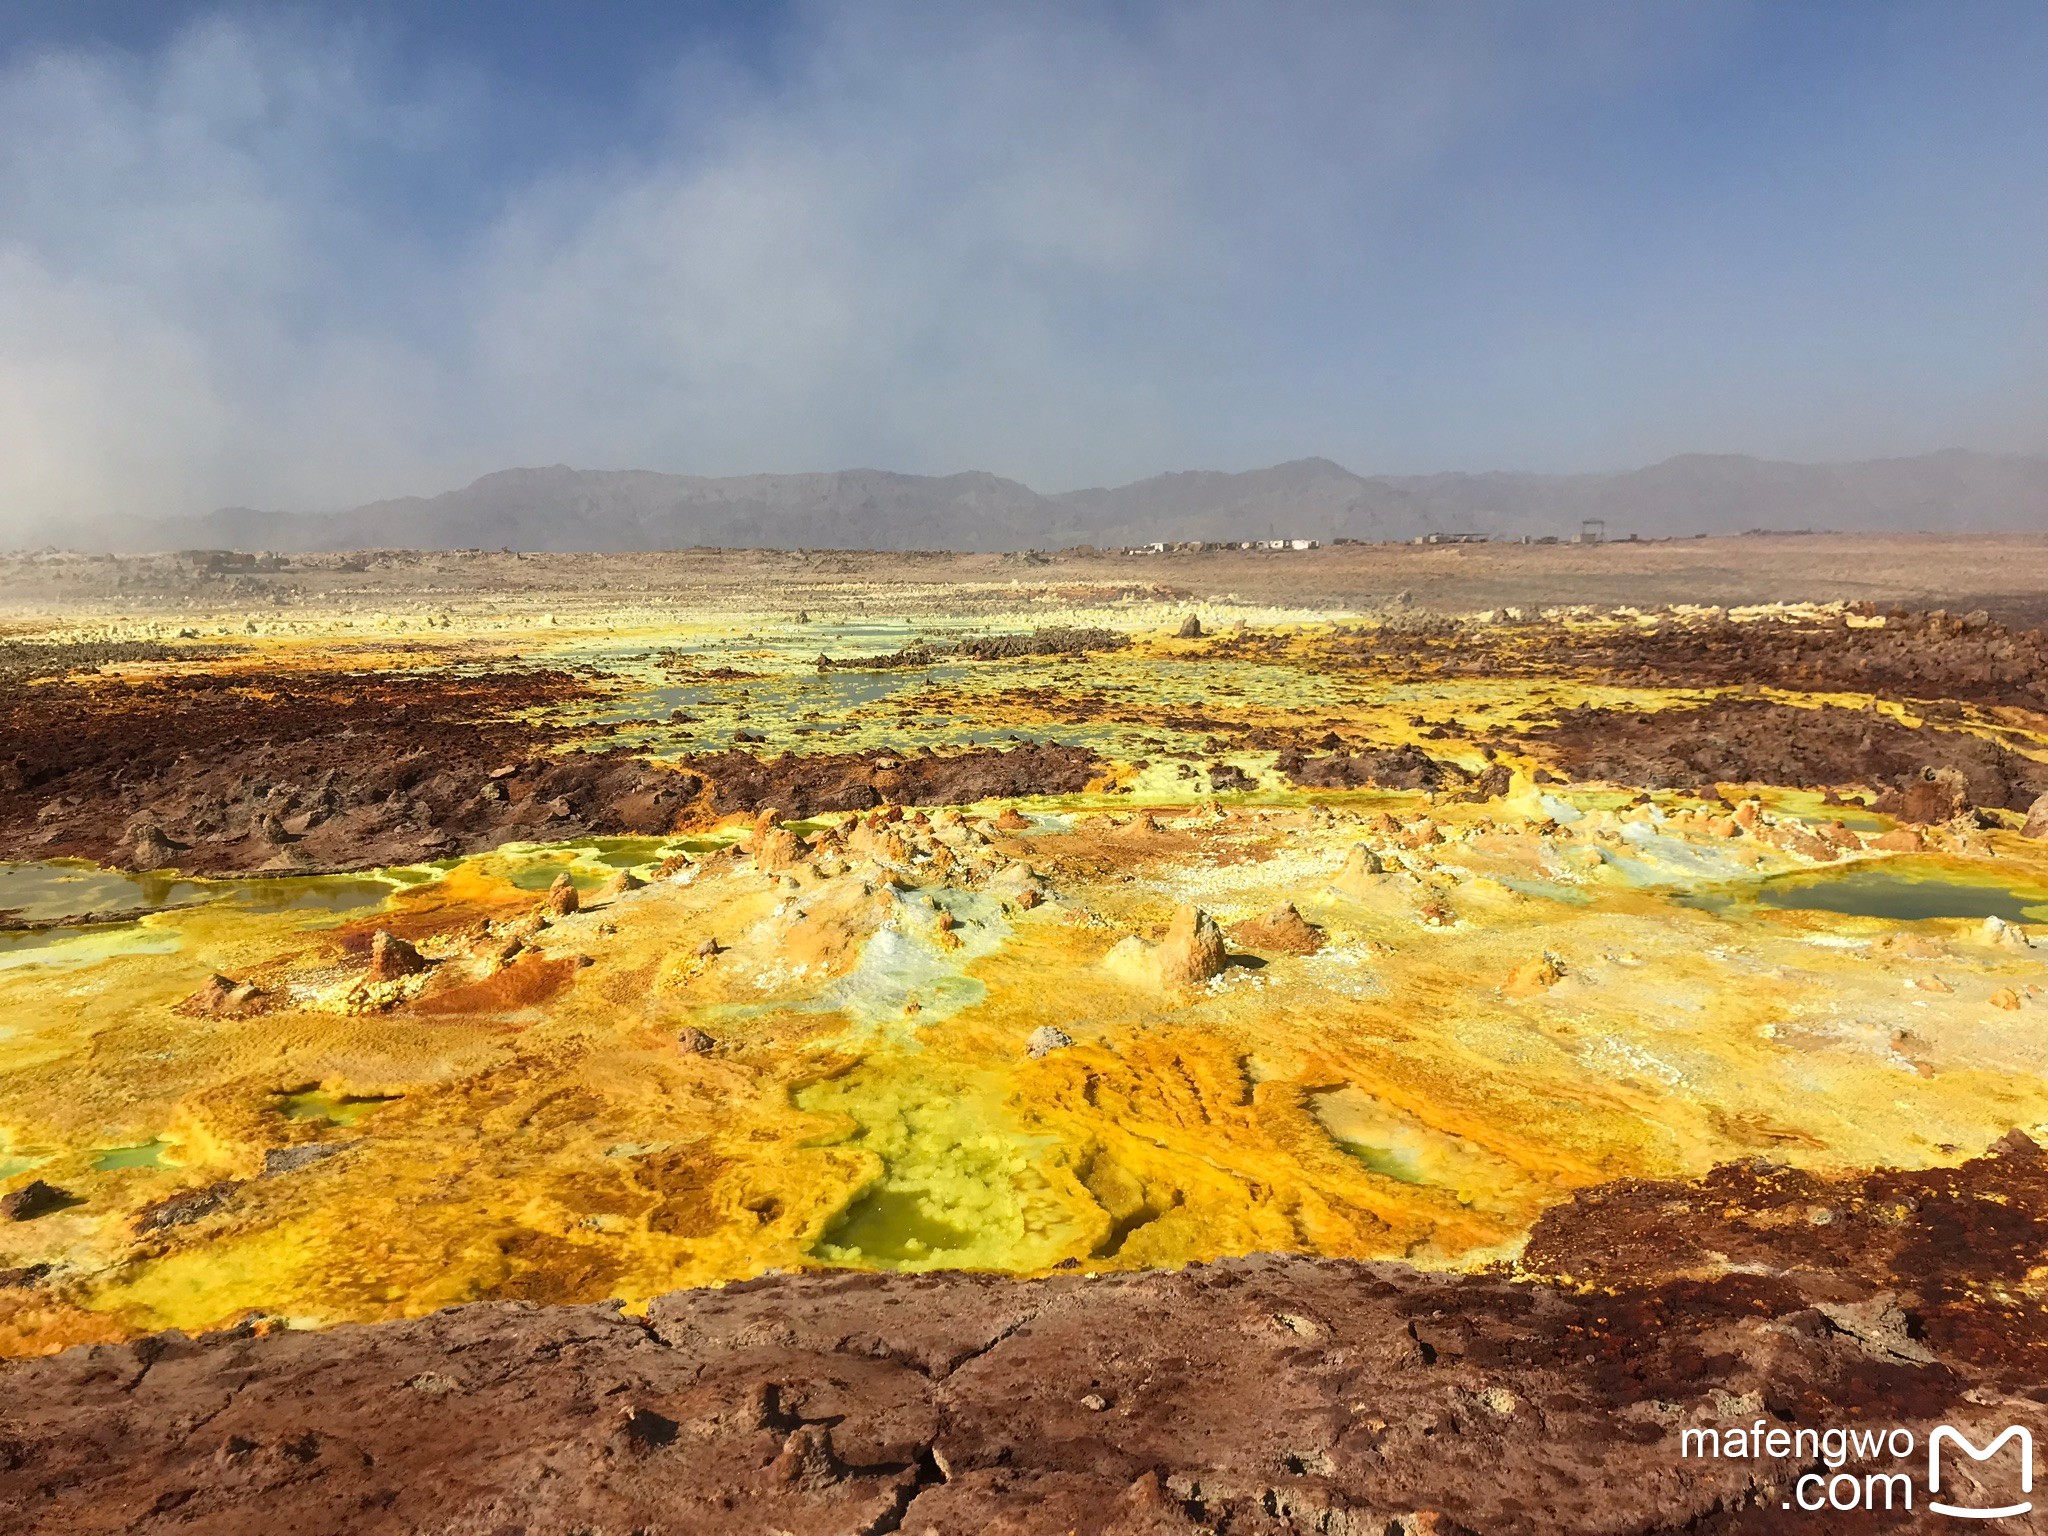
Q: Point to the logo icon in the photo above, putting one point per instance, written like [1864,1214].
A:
[1962,1512]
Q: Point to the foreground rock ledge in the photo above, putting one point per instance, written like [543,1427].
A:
[1267,1394]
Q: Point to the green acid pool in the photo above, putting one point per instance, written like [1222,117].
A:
[333,1108]
[1902,890]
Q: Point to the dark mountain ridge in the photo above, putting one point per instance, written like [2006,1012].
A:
[558,508]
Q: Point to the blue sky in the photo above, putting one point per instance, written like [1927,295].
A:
[306,256]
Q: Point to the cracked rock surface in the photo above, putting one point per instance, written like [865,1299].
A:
[1262,1395]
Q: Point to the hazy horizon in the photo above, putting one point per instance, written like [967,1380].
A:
[265,256]
[1056,491]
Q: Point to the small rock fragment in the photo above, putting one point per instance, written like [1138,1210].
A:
[561,898]
[291,1159]
[180,1209]
[1046,1039]
[694,1041]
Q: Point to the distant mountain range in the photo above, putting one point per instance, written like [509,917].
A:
[574,509]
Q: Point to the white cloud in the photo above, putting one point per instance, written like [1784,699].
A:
[271,266]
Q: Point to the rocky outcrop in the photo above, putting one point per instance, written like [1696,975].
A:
[817,782]
[1059,640]
[1924,773]
[1264,1396]
[1403,767]
[219,772]
[1909,656]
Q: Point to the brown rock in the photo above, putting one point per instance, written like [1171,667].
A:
[150,849]
[34,1199]
[1283,929]
[1837,835]
[1012,821]
[1190,628]
[1937,795]
[392,957]
[2037,819]
[693,1041]
[1900,840]
[1748,741]
[960,1402]
[2007,999]
[625,880]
